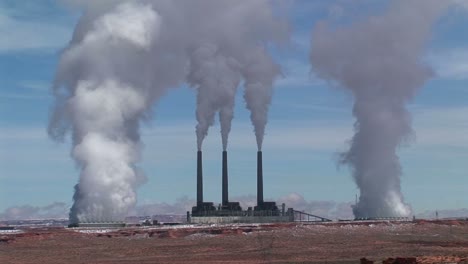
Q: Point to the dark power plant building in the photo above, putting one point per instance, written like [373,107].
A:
[231,212]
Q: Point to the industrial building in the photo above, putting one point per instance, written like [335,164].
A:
[228,211]
[231,212]
[98,224]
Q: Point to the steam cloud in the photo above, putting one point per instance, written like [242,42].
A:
[125,55]
[379,61]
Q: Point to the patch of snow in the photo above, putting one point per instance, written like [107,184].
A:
[199,236]
[93,231]
[8,232]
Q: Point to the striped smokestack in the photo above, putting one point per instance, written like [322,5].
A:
[225,179]
[259,179]
[199,178]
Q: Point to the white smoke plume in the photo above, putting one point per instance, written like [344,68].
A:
[108,79]
[379,60]
[123,57]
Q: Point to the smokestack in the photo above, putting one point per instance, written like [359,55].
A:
[199,178]
[91,81]
[225,179]
[259,179]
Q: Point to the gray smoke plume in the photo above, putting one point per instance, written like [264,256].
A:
[123,57]
[222,55]
[259,75]
[380,61]
[216,79]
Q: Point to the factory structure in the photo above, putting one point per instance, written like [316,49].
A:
[231,212]
[228,211]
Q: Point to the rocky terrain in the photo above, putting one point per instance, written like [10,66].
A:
[350,242]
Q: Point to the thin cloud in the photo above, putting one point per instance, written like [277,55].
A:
[28,212]
[28,35]
[441,127]
[461,4]
[327,209]
[450,64]
[434,127]
[39,86]
[15,134]
[448,213]
[24,96]
[280,135]
[297,74]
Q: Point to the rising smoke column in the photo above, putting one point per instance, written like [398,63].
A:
[227,50]
[123,56]
[216,79]
[259,74]
[105,85]
[380,61]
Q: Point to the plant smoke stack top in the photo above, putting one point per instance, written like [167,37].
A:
[225,180]
[199,178]
[259,179]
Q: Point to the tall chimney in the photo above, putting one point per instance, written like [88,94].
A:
[199,178]
[259,179]
[225,179]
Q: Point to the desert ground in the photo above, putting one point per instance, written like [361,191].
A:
[427,241]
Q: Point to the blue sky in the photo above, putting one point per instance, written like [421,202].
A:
[309,121]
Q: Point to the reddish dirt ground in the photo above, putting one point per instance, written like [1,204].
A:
[428,242]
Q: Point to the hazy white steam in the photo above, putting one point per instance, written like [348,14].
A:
[104,87]
[123,56]
[379,61]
